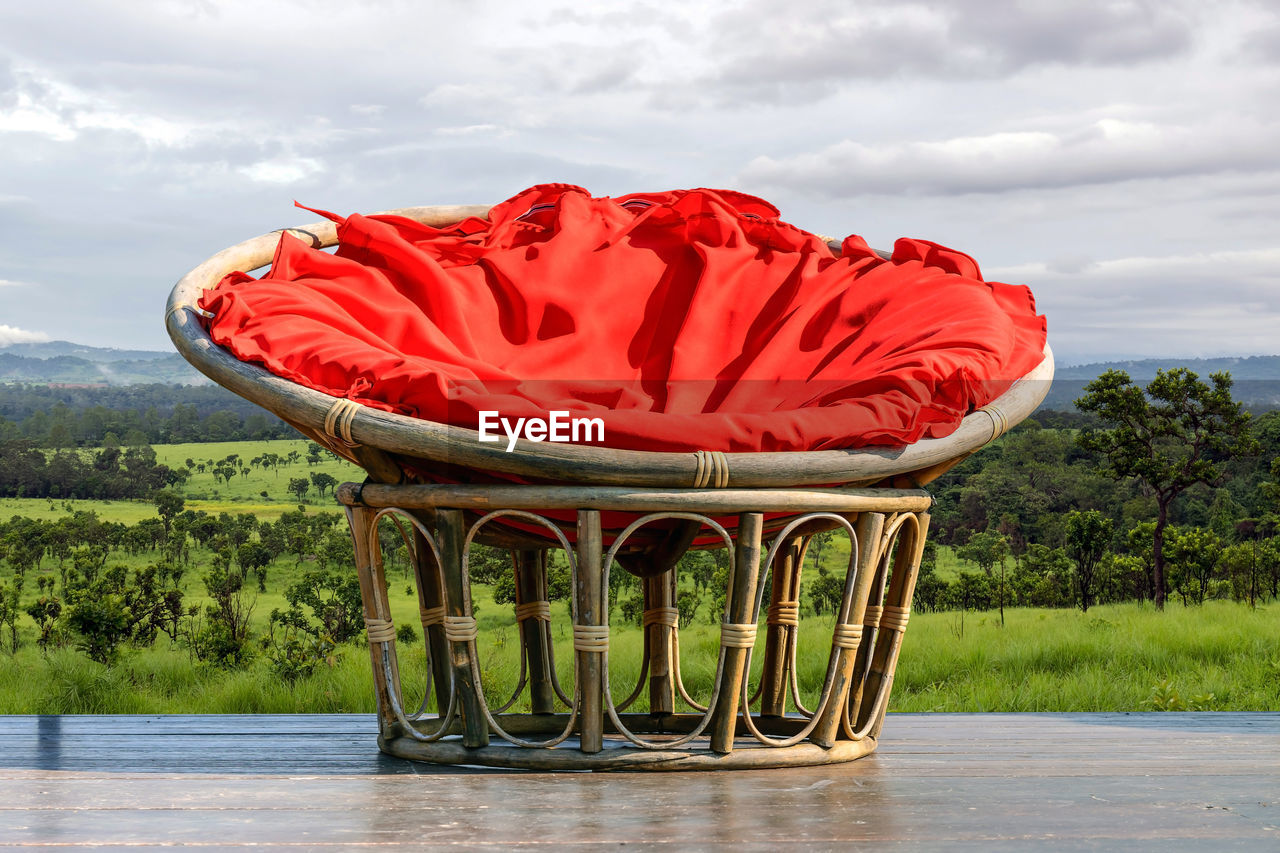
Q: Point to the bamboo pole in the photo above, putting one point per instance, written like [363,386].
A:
[738,632]
[659,601]
[867,531]
[629,499]
[431,608]
[531,586]
[450,535]
[783,608]
[586,641]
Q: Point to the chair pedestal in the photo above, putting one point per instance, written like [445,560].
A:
[576,718]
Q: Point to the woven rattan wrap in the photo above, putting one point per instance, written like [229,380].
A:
[337,423]
[459,629]
[669,616]
[540,610]
[784,613]
[847,636]
[737,635]
[895,618]
[872,617]
[712,470]
[380,630]
[591,638]
[999,420]
[432,615]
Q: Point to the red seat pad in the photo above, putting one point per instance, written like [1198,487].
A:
[686,320]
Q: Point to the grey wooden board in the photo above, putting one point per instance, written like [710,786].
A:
[1168,782]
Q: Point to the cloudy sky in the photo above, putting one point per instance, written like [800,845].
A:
[1121,157]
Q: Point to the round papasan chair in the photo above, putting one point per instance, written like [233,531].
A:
[740,383]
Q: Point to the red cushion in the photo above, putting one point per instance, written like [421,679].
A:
[687,320]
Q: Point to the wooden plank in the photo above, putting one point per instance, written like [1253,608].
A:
[939,782]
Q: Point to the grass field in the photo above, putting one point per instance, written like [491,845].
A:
[1221,656]
[204,492]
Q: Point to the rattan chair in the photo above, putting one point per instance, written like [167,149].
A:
[754,504]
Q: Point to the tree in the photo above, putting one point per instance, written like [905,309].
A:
[1088,535]
[332,606]
[1193,554]
[299,486]
[988,548]
[323,481]
[10,598]
[168,504]
[826,591]
[254,557]
[1042,576]
[1172,436]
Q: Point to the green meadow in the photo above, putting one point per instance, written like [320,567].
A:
[1121,657]
[243,493]
[1219,657]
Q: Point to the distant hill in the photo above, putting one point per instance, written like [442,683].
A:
[53,349]
[66,363]
[1256,379]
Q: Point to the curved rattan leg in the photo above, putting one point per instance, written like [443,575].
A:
[893,622]
[867,531]
[373,595]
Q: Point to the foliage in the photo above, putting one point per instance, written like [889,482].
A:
[299,486]
[826,592]
[10,597]
[1088,535]
[1176,434]
[224,640]
[324,605]
[161,414]
[1193,554]
[107,609]
[988,549]
[26,471]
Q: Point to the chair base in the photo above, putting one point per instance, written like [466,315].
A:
[746,722]
[618,754]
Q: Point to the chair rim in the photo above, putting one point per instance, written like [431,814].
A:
[369,434]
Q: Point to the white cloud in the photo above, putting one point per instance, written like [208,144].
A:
[1104,150]
[151,134]
[14,335]
[26,116]
[473,130]
[1196,304]
[62,112]
[283,170]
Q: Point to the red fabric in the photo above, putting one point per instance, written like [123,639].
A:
[687,320]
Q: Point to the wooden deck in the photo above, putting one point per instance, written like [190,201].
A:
[1167,782]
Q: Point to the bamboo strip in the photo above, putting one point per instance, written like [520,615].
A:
[635,500]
